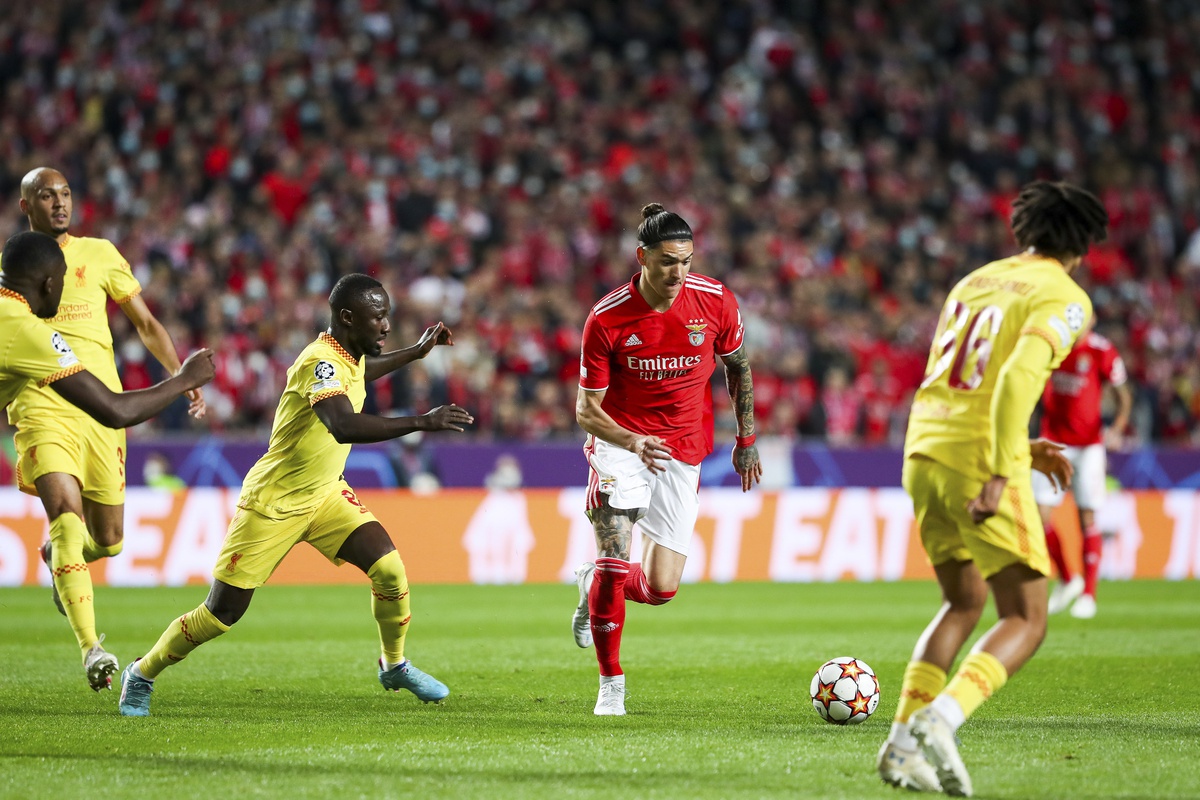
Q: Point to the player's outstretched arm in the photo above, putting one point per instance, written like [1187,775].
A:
[591,416]
[434,335]
[348,426]
[740,384]
[122,409]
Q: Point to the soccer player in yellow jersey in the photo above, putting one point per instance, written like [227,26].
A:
[967,464]
[74,464]
[296,493]
[32,353]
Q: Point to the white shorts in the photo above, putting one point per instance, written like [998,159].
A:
[667,504]
[1088,483]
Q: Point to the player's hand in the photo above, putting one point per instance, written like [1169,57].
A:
[433,336]
[198,369]
[1049,460]
[196,404]
[653,452]
[449,418]
[988,501]
[745,461]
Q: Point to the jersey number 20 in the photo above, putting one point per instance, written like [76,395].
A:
[966,356]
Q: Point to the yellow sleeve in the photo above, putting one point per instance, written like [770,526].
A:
[1059,319]
[323,378]
[1018,388]
[41,353]
[119,281]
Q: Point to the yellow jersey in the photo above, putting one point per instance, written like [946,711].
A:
[31,352]
[952,419]
[95,273]
[303,459]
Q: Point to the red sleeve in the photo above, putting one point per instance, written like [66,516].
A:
[730,337]
[596,352]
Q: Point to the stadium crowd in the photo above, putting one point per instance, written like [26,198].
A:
[841,163]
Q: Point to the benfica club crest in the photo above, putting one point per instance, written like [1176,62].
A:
[696,337]
[1083,364]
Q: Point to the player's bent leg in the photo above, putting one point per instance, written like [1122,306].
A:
[224,606]
[660,572]
[901,761]
[370,549]
[59,493]
[1020,593]
[106,529]
[964,595]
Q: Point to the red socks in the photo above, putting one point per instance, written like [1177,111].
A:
[1093,544]
[616,581]
[1054,545]
[606,605]
[638,589]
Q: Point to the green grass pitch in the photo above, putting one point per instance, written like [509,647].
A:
[288,705]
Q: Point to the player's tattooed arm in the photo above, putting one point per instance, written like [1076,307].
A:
[741,389]
[740,384]
[614,531]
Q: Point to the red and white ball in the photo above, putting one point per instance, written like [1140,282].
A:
[845,691]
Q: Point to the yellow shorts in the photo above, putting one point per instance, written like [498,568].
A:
[940,496]
[78,446]
[256,544]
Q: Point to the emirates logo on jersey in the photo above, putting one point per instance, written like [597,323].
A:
[662,367]
[696,326]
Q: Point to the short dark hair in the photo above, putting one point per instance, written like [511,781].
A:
[1058,219]
[351,289]
[29,253]
[659,225]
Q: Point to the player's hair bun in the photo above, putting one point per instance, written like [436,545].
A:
[650,209]
[659,225]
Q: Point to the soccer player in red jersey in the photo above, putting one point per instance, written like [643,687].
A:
[1071,416]
[649,350]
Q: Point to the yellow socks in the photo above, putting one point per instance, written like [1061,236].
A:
[71,577]
[922,682]
[389,604]
[180,638]
[980,676]
[95,552]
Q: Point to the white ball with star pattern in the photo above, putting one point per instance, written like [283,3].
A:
[845,691]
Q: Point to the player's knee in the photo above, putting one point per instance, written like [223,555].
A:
[110,550]
[968,607]
[109,537]
[388,576]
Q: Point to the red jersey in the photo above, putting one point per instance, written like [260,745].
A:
[1071,402]
[655,366]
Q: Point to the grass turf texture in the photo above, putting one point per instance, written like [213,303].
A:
[288,705]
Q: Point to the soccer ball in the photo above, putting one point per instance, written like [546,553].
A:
[845,691]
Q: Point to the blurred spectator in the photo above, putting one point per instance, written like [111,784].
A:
[842,164]
[156,473]
[412,463]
